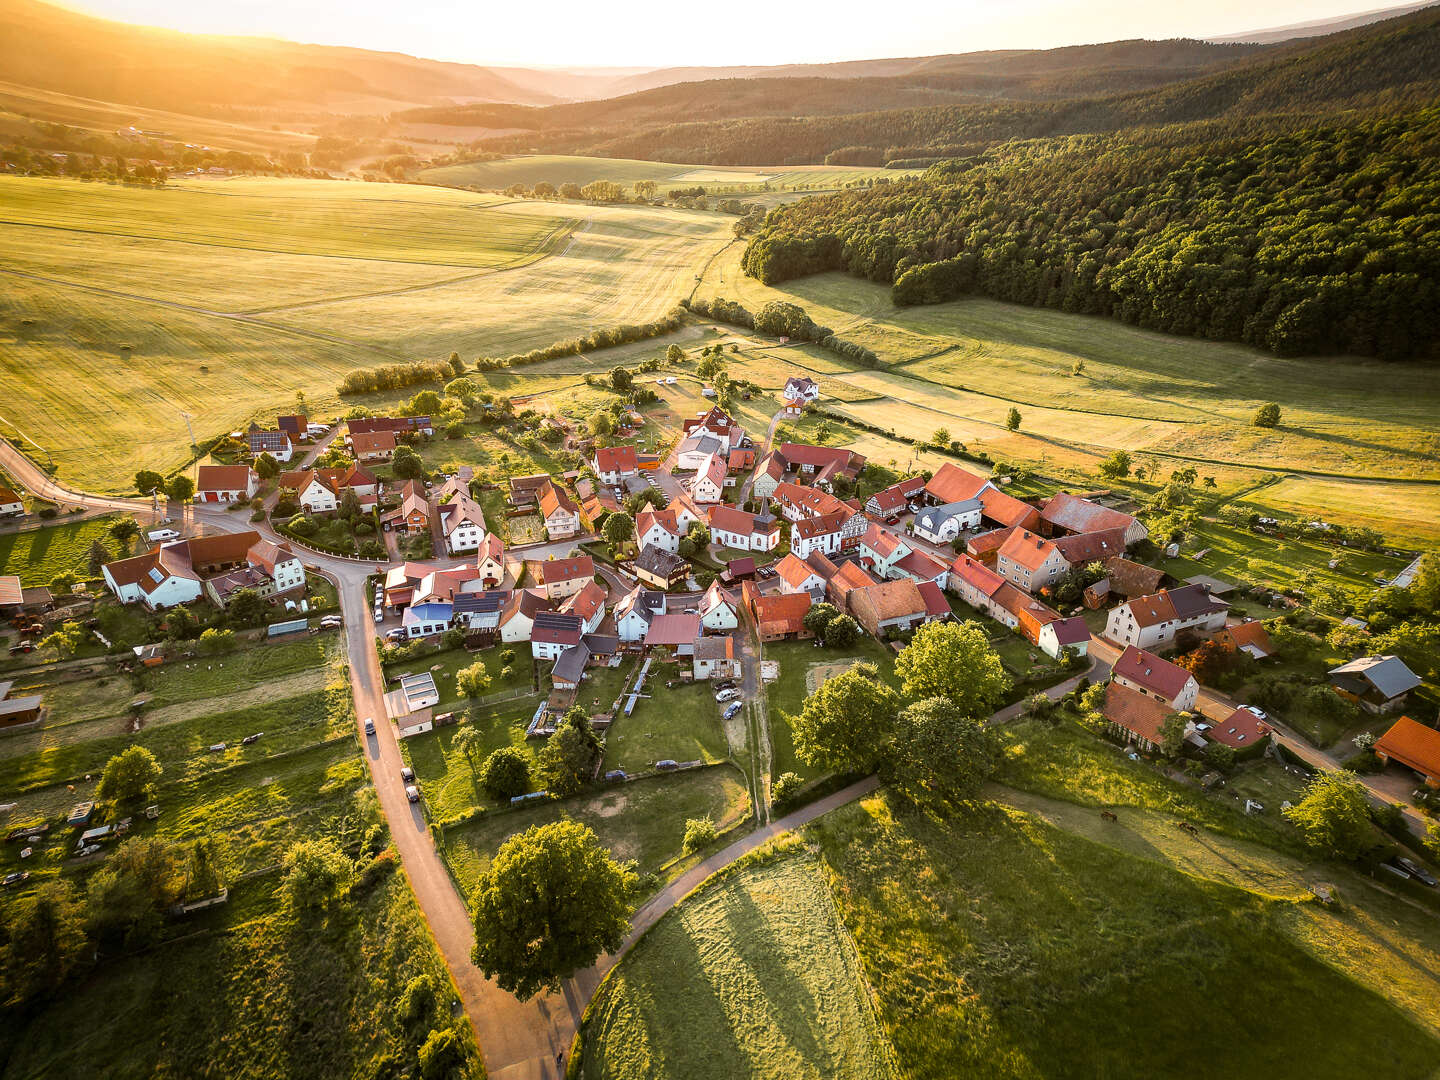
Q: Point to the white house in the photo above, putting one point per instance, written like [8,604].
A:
[714,658]
[1156,678]
[982,589]
[685,511]
[182,571]
[1029,561]
[553,632]
[588,604]
[518,619]
[221,484]
[718,610]
[1064,634]
[463,523]
[275,443]
[11,503]
[695,449]
[821,534]
[490,562]
[658,528]
[613,465]
[319,491]
[561,515]
[635,611]
[734,528]
[709,483]
[1152,622]
[426,620]
[800,390]
[944,523]
[796,576]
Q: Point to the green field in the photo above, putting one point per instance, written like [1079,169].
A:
[560,169]
[41,555]
[753,977]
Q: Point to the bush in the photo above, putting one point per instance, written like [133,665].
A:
[698,833]
[785,788]
[506,773]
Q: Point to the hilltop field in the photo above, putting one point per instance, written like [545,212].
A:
[222,298]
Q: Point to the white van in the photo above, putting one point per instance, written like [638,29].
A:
[162,536]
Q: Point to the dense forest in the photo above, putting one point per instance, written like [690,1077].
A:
[1318,238]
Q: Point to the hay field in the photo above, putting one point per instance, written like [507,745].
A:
[557,169]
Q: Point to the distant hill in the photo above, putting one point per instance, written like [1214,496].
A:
[1274,34]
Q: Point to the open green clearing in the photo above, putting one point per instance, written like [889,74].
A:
[41,555]
[557,169]
[755,976]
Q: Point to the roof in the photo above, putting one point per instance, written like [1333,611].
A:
[800,384]
[1240,729]
[1007,510]
[11,591]
[1091,547]
[553,500]
[850,575]
[1185,602]
[570,665]
[700,444]
[525,602]
[492,547]
[921,565]
[1152,672]
[729,519]
[616,459]
[714,418]
[658,561]
[556,628]
[1134,711]
[673,629]
[810,528]
[1387,674]
[296,424]
[932,517]
[648,519]
[714,469]
[601,644]
[461,510]
[976,574]
[899,599]
[818,561]
[936,606]
[815,457]
[586,602]
[1132,578]
[1413,744]
[265,441]
[367,424]
[714,597]
[8,495]
[1077,515]
[781,613]
[1251,637]
[951,483]
[413,500]
[1027,549]
[812,500]
[741,567]
[267,554]
[372,442]
[479,603]
[793,570]
[644,602]
[551,571]
[223,478]
[428,612]
[718,647]
[1072,631]
[882,541]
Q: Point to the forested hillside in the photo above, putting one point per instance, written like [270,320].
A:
[1321,238]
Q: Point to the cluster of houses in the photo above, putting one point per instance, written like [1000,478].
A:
[214,567]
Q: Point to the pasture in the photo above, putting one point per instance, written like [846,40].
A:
[41,555]
[557,169]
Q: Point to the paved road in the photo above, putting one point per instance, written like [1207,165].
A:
[760,456]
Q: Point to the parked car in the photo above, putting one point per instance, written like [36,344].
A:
[16,877]
[727,695]
[162,536]
[395,633]
[412,793]
[1416,870]
[217,748]
[725,684]
[1256,711]
[251,740]
[369,726]
[407,774]
[379,615]
[734,708]
[667,764]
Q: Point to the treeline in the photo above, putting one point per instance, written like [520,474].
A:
[398,376]
[607,338]
[1318,240]
[782,319]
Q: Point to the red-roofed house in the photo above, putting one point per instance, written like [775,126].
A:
[951,483]
[589,604]
[1413,745]
[1029,561]
[613,464]
[734,528]
[890,607]
[561,515]
[373,446]
[796,576]
[821,534]
[978,585]
[777,615]
[658,528]
[718,610]
[1005,511]
[1157,678]
[1063,634]
[1242,730]
[708,485]
[893,501]
[1154,621]
[848,577]
[1066,513]
[558,578]
[225,483]
[1135,717]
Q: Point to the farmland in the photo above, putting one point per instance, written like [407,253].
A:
[41,555]
[560,169]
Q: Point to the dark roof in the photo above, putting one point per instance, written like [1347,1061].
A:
[570,664]
[1387,674]
[656,560]
[475,603]
[554,627]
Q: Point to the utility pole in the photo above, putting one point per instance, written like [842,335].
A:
[190,429]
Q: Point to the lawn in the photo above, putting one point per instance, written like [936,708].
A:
[682,724]
[444,665]
[997,945]
[41,555]
[752,977]
[643,820]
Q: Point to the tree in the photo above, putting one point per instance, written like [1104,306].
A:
[1210,662]
[1432,839]
[1220,756]
[551,901]
[317,874]
[124,530]
[786,786]
[818,618]
[246,608]
[698,833]
[129,894]
[940,751]
[65,640]
[130,774]
[567,762]
[940,437]
[349,506]
[1116,466]
[1267,416]
[506,773]
[674,354]
[570,191]
[266,467]
[617,530]
[406,464]
[214,641]
[441,1054]
[841,632]
[467,742]
[148,480]
[601,423]
[1425,589]
[474,680]
[180,488]
[621,380]
[99,556]
[1012,419]
[1334,816]
[1172,734]
[953,661]
[44,938]
[848,721]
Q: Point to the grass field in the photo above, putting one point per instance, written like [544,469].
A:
[41,555]
[560,169]
[753,977]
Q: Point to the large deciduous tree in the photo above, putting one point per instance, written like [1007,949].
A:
[847,723]
[1334,815]
[940,751]
[953,661]
[567,763]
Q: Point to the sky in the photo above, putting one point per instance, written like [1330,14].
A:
[564,33]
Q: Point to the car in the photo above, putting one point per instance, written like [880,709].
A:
[369,726]
[216,748]
[395,633]
[727,695]
[725,684]
[667,764]
[1398,871]
[734,708]
[1416,870]
[88,849]
[412,793]
[407,774]
[251,740]
[16,877]
[162,536]
[1256,711]
[379,615]
[1202,727]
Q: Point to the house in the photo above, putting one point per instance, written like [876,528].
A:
[943,524]
[1135,717]
[297,427]
[1249,637]
[1128,579]
[986,546]
[768,476]
[223,484]
[849,576]
[319,491]
[1154,677]
[660,568]
[1375,683]
[525,490]
[517,620]
[561,515]
[978,585]
[412,705]
[820,465]
[797,502]
[490,562]
[799,391]
[614,464]
[888,555]
[1242,730]
[15,711]
[716,423]
[11,503]
[479,612]
[1413,745]
[373,446]
[686,512]
[16,599]
[635,611]
[596,502]
[714,658]
[275,443]
[589,604]
[778,615]
[401,582]
[718,611]
[462,523]
[1029,561]
[738,570]
[1154,621]
[1066,513]
[569,669]
[1004,511]
[823,534]
[400,425]
[694,451]
[658,528]
[181,571]
[796,576]
[889,503]
[442,586]
[1082,549]
[1062,634]
[889,607]
[552,632]
[734,528]
[937,608]
[674,631]
[951,483]
[427,619]
[739,459]
[559,578]
[708,486]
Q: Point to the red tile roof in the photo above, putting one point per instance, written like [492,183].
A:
[1240,729]
[1027,549]
[810,528]
[222,478]
[1077,515]
[936,606]
[812,500]
[554,570]
[1413,745]
[1152,672]
[616,459]
[976,574]
[793,570]
[951,483]
[1002,508]
[781,613]
[1134,711]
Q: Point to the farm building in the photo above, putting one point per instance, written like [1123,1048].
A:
[225,483]
[714,658]
[1413,745]
[1376,683]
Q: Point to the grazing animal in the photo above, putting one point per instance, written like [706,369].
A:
[1107,815]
